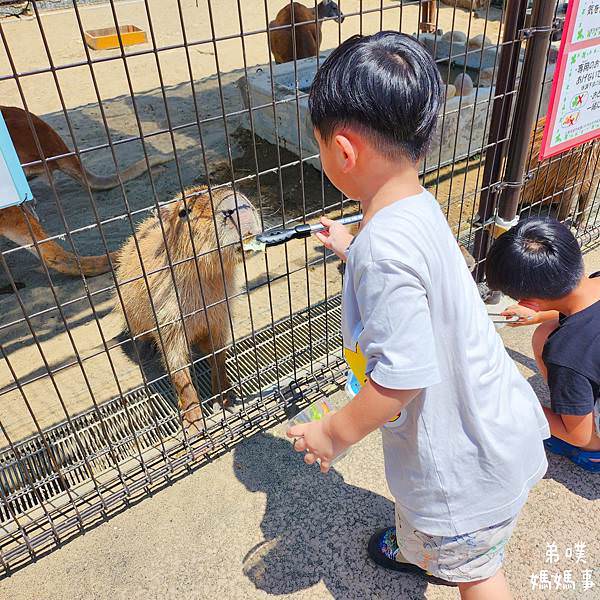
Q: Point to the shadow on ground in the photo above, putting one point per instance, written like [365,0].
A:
[315,528]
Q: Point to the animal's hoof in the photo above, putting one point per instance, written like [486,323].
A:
[233,398]
[192,421]
[229,401]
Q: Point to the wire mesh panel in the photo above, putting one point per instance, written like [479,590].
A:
[141,332]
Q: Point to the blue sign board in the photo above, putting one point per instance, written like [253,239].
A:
[14,188]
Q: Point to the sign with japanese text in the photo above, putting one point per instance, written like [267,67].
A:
[574,111]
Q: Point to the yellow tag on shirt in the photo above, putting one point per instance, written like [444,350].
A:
[358,365]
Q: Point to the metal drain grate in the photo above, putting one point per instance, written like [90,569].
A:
[121,430]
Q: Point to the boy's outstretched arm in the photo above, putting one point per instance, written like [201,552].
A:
[371,408]
[529,315]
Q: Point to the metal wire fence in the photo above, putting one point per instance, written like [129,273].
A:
[131,304]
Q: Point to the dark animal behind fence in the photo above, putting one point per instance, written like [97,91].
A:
[307,30]
[567,180]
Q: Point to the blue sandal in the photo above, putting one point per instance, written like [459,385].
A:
[582,458]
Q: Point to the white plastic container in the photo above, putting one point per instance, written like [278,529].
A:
[317,410]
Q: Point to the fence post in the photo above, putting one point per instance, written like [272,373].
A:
[505,86]
[526,108]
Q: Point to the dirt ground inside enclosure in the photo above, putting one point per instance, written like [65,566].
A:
[290,195]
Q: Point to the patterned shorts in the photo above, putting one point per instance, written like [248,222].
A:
[461,558]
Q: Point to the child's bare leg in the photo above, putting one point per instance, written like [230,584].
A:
[494,588]
[540,335]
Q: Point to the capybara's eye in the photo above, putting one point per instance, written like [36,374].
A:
[183,213]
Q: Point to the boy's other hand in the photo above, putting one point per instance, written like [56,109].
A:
[336,237]
[316,440]
[527,316]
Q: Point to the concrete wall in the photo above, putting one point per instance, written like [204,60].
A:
[462,130]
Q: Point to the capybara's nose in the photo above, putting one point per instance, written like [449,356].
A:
[246,220]
[239,212]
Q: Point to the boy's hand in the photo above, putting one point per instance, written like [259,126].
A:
[527,316]
[336,237]
[316,439]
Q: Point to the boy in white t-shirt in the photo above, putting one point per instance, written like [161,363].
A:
[462,429]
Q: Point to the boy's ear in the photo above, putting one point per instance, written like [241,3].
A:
[347,152]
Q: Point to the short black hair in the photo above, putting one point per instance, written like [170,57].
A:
[386,84]
[538,258]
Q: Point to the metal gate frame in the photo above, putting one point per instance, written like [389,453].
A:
[66,478]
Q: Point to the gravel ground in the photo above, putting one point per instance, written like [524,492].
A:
[9,9]
[56,4]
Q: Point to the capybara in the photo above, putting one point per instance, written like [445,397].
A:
[566,180]
[189,287]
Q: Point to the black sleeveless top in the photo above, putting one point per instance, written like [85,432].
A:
[572,355]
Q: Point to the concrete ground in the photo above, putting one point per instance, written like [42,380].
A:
[257,523]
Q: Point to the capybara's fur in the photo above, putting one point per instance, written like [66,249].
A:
[200,282]
[307,30]
[565,180]
[52,145]
[20,225]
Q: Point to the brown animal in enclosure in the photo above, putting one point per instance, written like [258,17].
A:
[14,222]
[468,4]
[211,271]
[307,30]
[561,179]
[18,223]
[53,145]
[427,23]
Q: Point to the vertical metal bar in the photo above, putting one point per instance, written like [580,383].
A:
[55,295]
[507,73]
[468,161]
[131,224]
[260,207]
[169,260]
[280,181]
[441,130]
[460,105]
[323,250]
[259,195]
[526,103]
[301,165]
